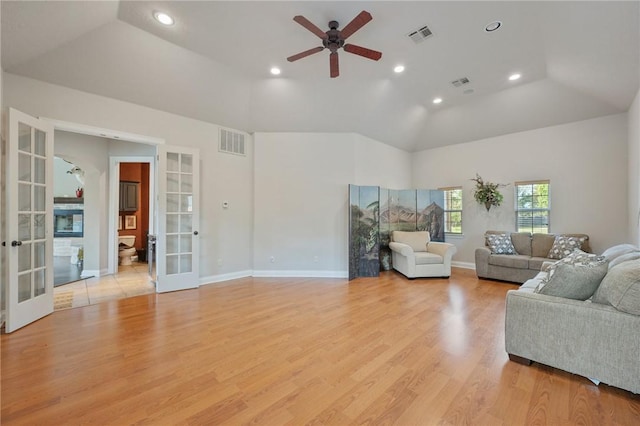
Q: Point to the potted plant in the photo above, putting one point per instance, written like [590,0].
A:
[487,193]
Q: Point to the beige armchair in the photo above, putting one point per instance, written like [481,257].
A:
[415,255]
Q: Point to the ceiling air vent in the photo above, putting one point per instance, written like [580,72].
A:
[420,35]
[460,82]
[231,142]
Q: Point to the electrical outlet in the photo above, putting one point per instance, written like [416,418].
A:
[315,259]
[219,262]
[272,259]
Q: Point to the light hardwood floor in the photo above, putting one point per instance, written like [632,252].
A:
[294,351]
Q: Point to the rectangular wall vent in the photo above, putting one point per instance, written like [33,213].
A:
[231,142]
[460,82]
[420,35]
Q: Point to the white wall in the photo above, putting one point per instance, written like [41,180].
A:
[301,197]
[223,234]
[64,184]
[90,154]
[634,171]
[585,161]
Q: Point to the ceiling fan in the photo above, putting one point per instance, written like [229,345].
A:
[334,39]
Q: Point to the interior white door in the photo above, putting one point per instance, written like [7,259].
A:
[177,243]
[29,220]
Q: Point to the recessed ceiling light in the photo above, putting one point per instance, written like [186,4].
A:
[492,26]
[163,18]
[514,77]
[437,100]
[275,71]
[398,68]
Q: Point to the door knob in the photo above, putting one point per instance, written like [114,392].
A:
[195,232]
[16,243]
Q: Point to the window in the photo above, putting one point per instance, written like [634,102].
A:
[452,210]
[532,206]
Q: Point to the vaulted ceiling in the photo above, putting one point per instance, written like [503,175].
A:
[578,60]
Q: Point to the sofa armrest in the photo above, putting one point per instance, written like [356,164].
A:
[446,250]
[482,261]
[403,249]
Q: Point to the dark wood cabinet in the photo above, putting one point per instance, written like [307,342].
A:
[128,196]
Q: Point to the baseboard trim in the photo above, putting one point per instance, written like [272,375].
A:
[301,274]
[464,265]
[212,279]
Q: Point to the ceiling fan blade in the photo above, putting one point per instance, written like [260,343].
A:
[362,51]
[305,54]
[334,70]
[356,23]
[310,26]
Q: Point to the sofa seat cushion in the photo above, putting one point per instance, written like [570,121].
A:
[510,260]
[620,288]
[529,286]
[425,258]
[536,262]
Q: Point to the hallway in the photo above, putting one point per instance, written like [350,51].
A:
[130,281]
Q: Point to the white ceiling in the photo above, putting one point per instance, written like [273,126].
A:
[578,60]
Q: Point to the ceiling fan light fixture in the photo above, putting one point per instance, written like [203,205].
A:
[493,26]
[275,71]
[437,100]
[163,18]
[398,69]
[514,77]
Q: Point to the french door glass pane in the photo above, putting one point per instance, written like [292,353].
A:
[173,203]
[172,223]
[185,223]
[24,197]
[186,165]
[24,137]
[173,162]
[172,182]
[39,170]
[38,254]
[24,287]
[172,244]
[24,257]
[39,226]
[24,167]
[172,265]
[186,183]
[185,243]
[24,226]
[186,203]
[185,263]
[39,282]
[40,143]
[39,198]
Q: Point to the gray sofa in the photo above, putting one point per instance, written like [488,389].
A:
[532,251]
[595,340]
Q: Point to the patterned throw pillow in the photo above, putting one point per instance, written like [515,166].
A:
[564,246]
[500,244]
[577,276]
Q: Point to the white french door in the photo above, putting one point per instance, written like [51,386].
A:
[177,244]
[29,220]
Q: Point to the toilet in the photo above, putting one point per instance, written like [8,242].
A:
[126,250]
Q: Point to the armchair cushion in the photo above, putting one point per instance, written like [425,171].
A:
[426,258]
[417,240]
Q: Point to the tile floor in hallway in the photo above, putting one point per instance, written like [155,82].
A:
[131,280]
